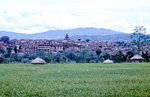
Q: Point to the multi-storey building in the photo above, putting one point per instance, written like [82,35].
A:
[29,46]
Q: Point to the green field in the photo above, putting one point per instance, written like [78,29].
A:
[75,80]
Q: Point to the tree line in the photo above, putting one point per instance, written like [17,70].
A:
[85,56]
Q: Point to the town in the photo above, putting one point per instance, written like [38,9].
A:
[29,47]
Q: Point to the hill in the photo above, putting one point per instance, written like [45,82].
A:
[115,37]
[59,34]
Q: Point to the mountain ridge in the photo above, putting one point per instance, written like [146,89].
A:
[59,34]
[110,38]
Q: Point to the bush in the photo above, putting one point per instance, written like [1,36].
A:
[1,59]
[25,60]
[88,60]
[9,60]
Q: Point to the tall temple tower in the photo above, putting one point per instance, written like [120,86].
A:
[67,37]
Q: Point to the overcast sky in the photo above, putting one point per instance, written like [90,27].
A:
[34,16]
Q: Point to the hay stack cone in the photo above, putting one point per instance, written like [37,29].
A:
[108,61]
[38,61]
[137,58]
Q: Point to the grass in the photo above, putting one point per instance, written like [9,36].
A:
[75,80]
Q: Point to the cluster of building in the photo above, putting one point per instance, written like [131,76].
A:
[30,46]
[26,46]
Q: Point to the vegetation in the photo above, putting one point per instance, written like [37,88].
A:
[75,80]
[65,56]
[139,38]
[5,39]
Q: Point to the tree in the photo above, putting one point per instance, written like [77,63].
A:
[59,58]
[119,57]
[106,56]
[87,40]
[9,51]
[1,59]
[81,57]
[15,49]
[71,55]
[98,52]
[139,38]
[5,39]
[146,56]
[129,55]
[88,59]
[16,57]
[2,51]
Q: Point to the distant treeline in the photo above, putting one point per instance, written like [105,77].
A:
[65,56]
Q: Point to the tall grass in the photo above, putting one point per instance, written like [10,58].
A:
[75,80]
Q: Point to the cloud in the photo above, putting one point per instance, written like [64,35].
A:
[34,16]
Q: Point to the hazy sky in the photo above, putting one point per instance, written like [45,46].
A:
[33,16]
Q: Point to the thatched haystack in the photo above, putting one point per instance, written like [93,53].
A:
[38,61]
[108,61]
[137,58]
